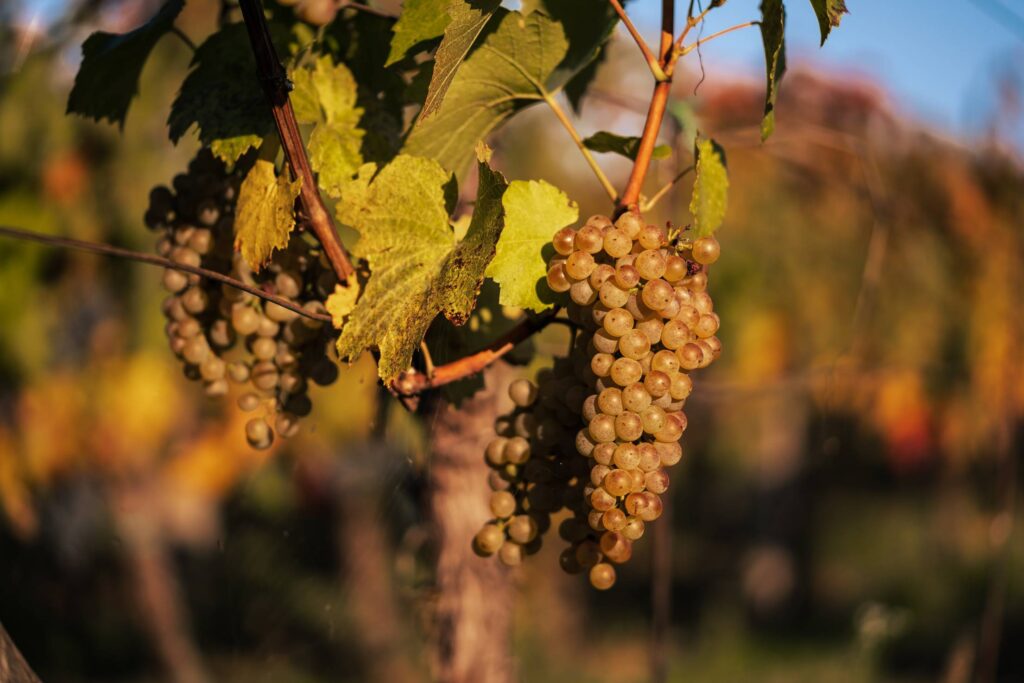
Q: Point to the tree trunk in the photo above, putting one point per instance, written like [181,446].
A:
[473,620]
[13,667]
[156,587]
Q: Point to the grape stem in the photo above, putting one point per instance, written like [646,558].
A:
[276,85]
[153,259]
[652,61]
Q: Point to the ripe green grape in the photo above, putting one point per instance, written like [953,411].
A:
[706,250]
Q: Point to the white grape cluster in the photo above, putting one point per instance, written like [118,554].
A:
[222,333]
[647,321]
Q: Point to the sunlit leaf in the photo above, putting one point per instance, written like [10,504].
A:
[604,141]
[534,211]
[773,35]
[265,213]
[830,13]
[710,188]
[419,22]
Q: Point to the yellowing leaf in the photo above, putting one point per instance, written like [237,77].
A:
[773,35]
[534,211]
[264,217]
[342,302]
[325,95]
[418,269]
[419,22]
[710,189]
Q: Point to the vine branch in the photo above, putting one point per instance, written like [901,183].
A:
[414,382]
[276,85]
[652,61]
[656,197]
[153,259]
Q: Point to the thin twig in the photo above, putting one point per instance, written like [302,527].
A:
[154,260]
[412,383]
[691,22]
[276,85]
[184,37]
[697,43]
[649,204]
[574,134]
[652,61]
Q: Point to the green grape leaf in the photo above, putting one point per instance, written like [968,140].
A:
[222,97]
[264,216]
[506,72]
[534,211]
[830,13]
[325,95]
[419,22]
[588,25]
[773,35]
[467,21]
[108,78]
[604,141]
[710,188]
[418,268]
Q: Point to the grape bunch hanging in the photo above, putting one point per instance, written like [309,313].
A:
[224,334]
[599,431]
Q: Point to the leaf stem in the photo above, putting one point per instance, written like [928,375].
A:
[153,259]
[413,382]
[652,60]
[697,43]
[656,197]
[275,83]
[567,123]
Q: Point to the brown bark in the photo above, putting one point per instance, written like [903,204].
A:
[13,667]
[473,619]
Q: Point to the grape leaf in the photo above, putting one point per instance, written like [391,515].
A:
[534,211]
[830,13]
[418,268]
[506,73]
[420,21]
[342,302]
[710,188]
[588,25]
[603,141]
[264,217]
[222,97]
[773,35]
[108,78]
[467,20]
[325,95]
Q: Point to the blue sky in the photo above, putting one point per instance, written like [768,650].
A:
[935,58]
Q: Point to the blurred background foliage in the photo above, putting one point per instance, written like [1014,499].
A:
[845,512]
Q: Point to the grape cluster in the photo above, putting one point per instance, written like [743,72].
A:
[222,333]
[646,322]
[535,469]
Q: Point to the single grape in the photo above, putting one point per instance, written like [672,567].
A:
[564,241]
[616,547]
[489,539]
[523,392]
[503,504]
[602,576]
[258,433]
[706,250]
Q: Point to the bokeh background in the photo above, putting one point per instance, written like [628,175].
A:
[847,507]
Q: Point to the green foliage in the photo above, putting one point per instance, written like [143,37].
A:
[534,211]
[710,188]
[603,141]
[418,267]
[830,13]
[773,35]
[222,97]
[265,213]
[588,25]
[325,95]
[420,21]
[108,78]
[506,73]
[467,20]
